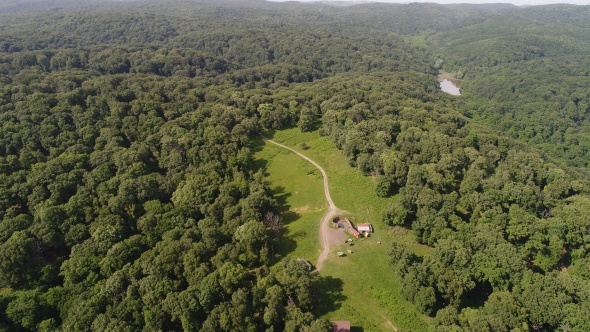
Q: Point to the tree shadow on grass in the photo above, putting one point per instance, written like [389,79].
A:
[256,145]
[283,247]
[289,217]
[328,295]
[269,133]
[356,329]
[281,196]
[286,242]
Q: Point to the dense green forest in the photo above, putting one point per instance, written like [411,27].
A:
[528,74]
[130,200]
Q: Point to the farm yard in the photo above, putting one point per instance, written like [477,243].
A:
[364,275]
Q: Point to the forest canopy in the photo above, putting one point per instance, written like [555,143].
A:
[130,200]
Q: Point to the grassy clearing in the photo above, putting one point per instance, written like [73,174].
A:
[372,290]
[360,287]
[443,75]
[298,187]
[350,190]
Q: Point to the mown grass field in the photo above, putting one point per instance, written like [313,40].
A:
[299,188]
[360,287]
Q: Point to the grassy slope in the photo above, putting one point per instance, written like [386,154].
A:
[362,287]
[298,186]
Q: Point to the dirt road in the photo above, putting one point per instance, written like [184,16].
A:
[332,212]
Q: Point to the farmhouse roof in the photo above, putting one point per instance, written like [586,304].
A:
[341,326]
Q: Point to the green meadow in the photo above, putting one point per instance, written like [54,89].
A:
[360,287]
[298,186]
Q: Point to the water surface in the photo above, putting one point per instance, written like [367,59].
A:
[450,88]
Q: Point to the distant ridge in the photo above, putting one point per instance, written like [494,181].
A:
[499,5]
[344,3]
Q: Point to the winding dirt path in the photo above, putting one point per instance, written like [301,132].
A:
[332,212]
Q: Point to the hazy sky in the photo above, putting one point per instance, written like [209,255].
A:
[516,2]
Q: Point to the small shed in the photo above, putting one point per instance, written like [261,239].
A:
[341,326]
[365,227]
[309,266]
[354,232]
[339,222]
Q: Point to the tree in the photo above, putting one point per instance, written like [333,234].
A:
[307,119]
[296,283]
[504,312]
[252,237]
[449,262]
[543,299]
[383,186]
[425,300]
[15,254]
[274,222]
[25,310]
[396,214]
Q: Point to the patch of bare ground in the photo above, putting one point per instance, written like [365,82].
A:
[390,325]
[301,208]
[443,75]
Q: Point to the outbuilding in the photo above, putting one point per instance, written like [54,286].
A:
[339,222]
[354,232]
[365,227]
[341,326]
[308,264]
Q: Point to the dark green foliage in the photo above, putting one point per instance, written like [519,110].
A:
[535,78]
[128,197]
[130,200]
